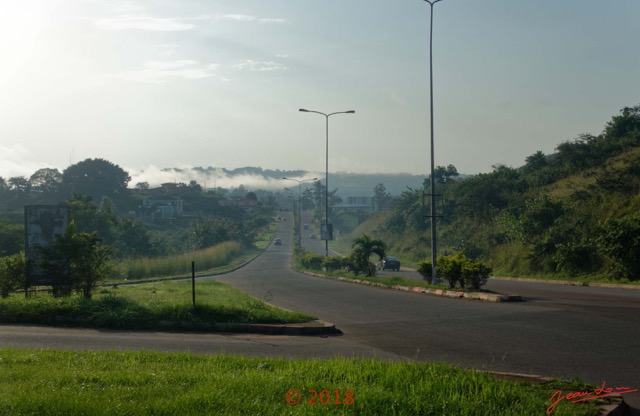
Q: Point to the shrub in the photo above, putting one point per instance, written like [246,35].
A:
[332,263]
[311,261]
[457,269]
[424,268]
[475,273]
[450,268]
[12,273]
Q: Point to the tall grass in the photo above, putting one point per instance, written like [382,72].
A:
[180,264]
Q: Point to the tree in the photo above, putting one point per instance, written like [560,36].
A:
[443,174]
[363,248]
[98,178]
[621,243]
[142,186]
[627,124]
[134,240]
[75,261]
[46,180]
[11,237]
[88,218]
[381,198]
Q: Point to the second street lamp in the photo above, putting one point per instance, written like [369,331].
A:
[326,235]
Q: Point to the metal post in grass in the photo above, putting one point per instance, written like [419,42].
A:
[193,283]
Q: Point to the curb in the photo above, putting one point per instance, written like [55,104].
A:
[306,328]
[568,283]
[488,297]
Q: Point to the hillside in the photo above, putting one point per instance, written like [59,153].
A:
[571,213]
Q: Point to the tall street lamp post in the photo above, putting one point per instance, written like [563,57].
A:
[433,180]
[326,191]
[300,203]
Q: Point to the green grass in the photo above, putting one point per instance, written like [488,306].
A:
[68,383]
[148,305]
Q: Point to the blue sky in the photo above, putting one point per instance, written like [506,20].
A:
[178,83]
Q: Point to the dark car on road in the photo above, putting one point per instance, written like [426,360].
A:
[277,242]
[389,263]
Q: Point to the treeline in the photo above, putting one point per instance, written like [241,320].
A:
[100,201]
[574,212]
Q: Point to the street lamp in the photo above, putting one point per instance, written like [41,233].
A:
[326,192]
[433,180]
[299,202]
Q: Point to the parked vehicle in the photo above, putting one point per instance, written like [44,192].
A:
[389,263]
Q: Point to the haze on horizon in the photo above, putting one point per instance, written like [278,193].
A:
[150,85]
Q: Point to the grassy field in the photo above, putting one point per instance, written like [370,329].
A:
[147,306]
[148,383]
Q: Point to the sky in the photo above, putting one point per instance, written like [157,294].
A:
[181,83]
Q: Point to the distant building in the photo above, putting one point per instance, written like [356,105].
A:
[162,209]
[352,203]
[248,205]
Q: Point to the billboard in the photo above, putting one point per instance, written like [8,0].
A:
[326,231]
[41,224]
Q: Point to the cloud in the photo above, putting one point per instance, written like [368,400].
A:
[252,65]
[207,178]
[129,22]
[248,18]
[162,71]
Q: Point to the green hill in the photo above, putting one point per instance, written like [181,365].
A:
[574,213]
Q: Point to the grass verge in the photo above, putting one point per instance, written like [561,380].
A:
[148,306]
[149,383]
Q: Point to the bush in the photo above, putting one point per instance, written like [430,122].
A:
[311,261]
[457,269]
[475,273]
[424,268]
[12,273]
[332,263]
[450,268]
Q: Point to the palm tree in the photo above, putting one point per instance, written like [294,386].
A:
[363,248]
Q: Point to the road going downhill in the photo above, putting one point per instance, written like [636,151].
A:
[591,333]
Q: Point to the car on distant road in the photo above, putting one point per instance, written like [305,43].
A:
[277,242]
[389,263]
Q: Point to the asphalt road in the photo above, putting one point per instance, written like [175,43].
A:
[559,331]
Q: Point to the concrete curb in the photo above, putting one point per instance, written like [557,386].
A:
[568,283]
[488,297]
[316,327]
